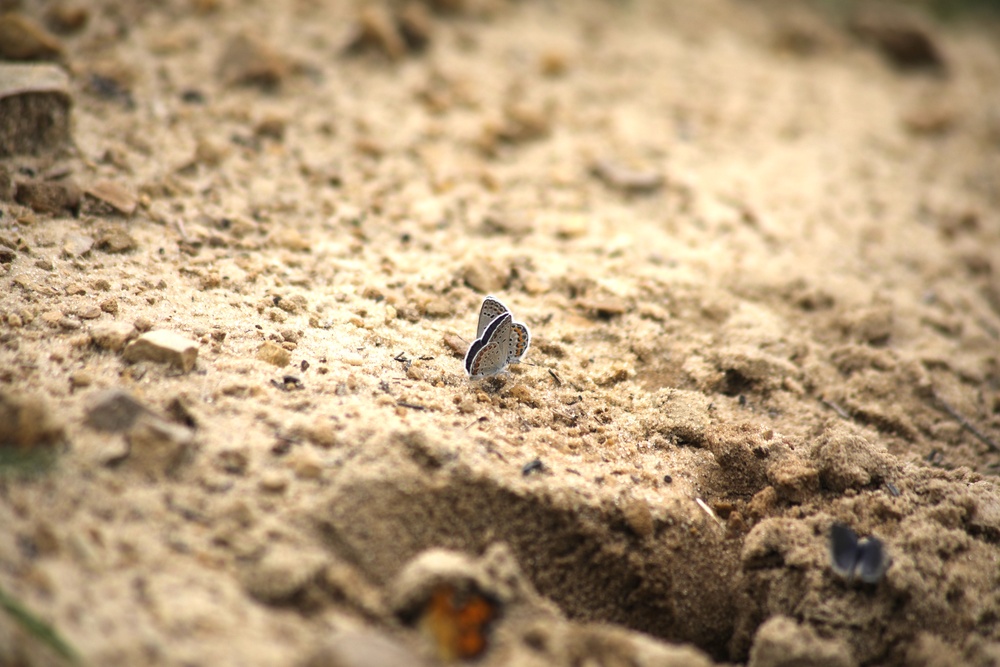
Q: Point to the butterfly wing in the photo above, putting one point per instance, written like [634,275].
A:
[843,550]
[872,560]
[489,312]
[488,355]
[520,339]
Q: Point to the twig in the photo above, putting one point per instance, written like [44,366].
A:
[965,423]
[412,406]
[708,510]
[836,408]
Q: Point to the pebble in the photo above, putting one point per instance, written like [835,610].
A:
[363,648]
[603,308]
[89,313]
[110,306]
[51,197]
[484,276]
[273,481]
[52,317]
[377,30]
[26,422]
[81,379]
[307,464]
[67,17]
[637,515]
[281,573]
[156,446]
[114,195]
[111,335]
[274,354]
[114,411]
[902,39]
[249,61]
[165,347]
[114,239]
[34,109]
[21,38]
[77,245]
[624,179]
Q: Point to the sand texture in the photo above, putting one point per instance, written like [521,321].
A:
[757,246]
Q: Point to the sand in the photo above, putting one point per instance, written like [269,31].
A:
[758,251]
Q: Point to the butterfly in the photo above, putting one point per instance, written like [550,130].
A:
[458,623]
[851,558]
[500,341]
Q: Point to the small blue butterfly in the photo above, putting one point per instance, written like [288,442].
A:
[500,341]
[851,558]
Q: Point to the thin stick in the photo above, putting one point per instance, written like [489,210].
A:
[966,424]
[708,510]
[836,408]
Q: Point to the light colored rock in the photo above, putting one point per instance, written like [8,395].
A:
[165,347]
[111,335]
[273,353]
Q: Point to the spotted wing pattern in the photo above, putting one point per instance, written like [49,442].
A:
[489,311]
[520,339]
[488,355]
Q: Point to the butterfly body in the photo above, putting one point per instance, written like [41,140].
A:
[500,341]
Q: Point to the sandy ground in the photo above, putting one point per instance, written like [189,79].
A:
[760,262]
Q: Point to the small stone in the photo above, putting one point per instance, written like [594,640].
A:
[156,446]
[273,353]
[163,347]
[375,29]
[625,179]
[249,61]
[458,345]
[14,321]
[233,461]
[143,324]
[439,307]
[26,422]
[272,127]
[110,306]
[114,239]
[111,335]
[34,110]
[572,226]
[273,481]
[48,196]
[89,313]
[307,464]
[363,648]
[783,642]
[52,317]
[45,264]
[603,308]
[81,379]
[21,38]
[638,516]
[77,245]
[901,37]
[114,411]
[114,195]
[484,276]
[67,17]
[69,323]
[281,573]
